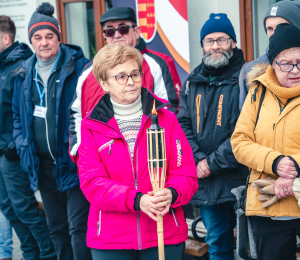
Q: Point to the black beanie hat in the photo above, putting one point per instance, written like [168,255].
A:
[42,19]
[285,36]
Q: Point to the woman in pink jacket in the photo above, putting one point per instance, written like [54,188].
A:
[113,166]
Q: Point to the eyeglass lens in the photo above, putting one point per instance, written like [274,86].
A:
[289,67]
[220,41]
[122,30]
[136,77]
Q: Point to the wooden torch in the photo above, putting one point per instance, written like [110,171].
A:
[157,169]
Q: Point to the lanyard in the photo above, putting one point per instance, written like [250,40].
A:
[36,79]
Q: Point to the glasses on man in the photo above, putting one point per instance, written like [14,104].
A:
[123,78]
[287,67]
[220,41]
[124,29]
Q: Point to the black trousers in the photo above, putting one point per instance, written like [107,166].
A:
[67,216]
[172,252]
[18,204]
[275,239]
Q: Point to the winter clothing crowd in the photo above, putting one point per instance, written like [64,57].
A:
[76,130]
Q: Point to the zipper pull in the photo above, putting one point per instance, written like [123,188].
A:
[254,95]
[136,184]
[109,149]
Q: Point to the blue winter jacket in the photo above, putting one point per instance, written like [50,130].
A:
[66,170]
[242,80]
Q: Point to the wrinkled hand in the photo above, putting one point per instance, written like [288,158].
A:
[158,203]
[283,187]
[286,168]
[203,170]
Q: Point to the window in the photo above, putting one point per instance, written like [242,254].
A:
[80,23]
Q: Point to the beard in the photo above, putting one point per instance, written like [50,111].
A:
[217,63]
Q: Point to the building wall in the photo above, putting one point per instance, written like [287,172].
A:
[198,13]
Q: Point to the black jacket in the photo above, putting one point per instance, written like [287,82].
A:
[218,111]
[10,59]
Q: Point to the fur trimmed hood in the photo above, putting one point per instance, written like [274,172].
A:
[257,70]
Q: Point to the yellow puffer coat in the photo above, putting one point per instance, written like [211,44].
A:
[275,134]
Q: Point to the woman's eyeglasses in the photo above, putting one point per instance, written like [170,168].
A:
[124,29]
[122,79]
[288,67]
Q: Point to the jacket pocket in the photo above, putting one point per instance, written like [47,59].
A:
[99,224]
[108,144]
[179,152]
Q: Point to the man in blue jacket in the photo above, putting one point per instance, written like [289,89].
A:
[17,201]
[44,89]
[281,12]
[208,111]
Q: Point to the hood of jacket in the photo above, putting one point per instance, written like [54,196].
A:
[256,71]
[18,51]
[198,74]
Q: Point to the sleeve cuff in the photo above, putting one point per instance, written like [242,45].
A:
[174,194]
[271,156]
[130,199]
[275,163]
[137,200]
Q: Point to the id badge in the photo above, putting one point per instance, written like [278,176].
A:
[40,111]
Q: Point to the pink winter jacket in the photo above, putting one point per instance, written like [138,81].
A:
[110,179]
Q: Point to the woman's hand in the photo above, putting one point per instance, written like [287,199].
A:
[158,203]
[283,187]
[286,168]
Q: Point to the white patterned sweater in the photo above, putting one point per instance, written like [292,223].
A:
[129,119]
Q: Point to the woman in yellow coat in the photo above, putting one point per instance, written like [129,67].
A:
[271,146]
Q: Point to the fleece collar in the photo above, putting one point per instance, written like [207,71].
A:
[103,111]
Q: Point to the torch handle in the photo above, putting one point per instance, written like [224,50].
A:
[160,236]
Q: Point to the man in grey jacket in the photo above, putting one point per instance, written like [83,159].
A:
[282,12]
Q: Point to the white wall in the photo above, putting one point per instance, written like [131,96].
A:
[198,14]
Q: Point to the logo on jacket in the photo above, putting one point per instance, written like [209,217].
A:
[219,116]
[146,18]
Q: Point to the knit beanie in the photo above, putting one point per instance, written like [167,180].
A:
[290,11]
[217,23]
[42,19]
[285,36]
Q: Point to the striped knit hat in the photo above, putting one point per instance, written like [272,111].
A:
[42,19]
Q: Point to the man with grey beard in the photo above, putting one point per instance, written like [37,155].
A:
[208,111]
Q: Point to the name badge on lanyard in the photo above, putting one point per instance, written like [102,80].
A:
[40,111]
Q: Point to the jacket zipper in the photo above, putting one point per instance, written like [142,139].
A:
[198,99]
[99,224]
[138,211]
[26,122]
[108,144]
[175,218]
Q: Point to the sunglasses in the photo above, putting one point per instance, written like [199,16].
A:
[124,29]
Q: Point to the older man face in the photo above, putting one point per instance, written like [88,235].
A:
[217,49]
[45,43]
[128,39]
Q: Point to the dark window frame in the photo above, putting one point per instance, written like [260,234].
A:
[99,9]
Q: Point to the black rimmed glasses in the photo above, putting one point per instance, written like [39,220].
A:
[220,41]
[287,67]
[124,29]
[123,78]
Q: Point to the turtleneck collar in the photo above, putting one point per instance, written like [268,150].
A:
[48,63]
[126,112]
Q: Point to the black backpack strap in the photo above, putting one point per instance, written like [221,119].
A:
[263,93]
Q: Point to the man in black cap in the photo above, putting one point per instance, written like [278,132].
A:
[43,91]
[160,74]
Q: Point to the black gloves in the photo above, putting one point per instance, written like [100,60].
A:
[11,154]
